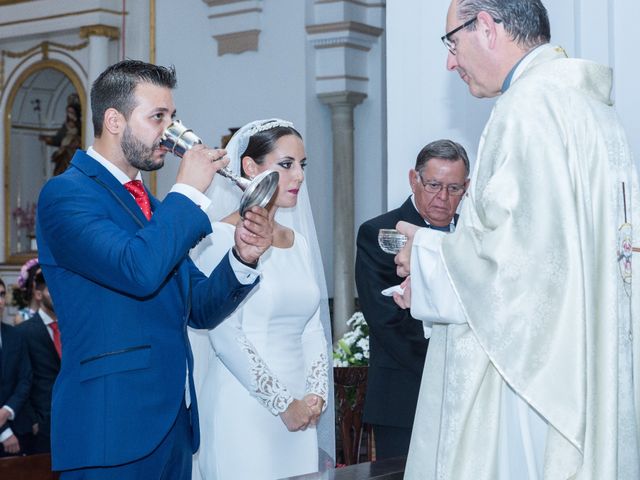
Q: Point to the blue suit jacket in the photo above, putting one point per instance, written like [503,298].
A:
[124,290]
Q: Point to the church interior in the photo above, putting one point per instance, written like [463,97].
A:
[364,82]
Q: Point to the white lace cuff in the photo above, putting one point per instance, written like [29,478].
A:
[265,386]
[318,379]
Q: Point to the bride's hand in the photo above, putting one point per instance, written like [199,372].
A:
[297,416]
[315,403]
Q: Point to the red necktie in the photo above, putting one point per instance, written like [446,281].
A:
[136,188]
[56,338]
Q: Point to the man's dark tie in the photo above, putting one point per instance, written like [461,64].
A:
[442,229]
[56,337]
[136,188]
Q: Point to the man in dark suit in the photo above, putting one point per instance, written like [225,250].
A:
[396,340]
[116,264]
[42,337]
[15,381]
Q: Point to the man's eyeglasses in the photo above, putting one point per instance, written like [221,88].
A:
[451,44]
[453,189]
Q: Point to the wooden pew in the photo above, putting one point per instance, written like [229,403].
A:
[32,467]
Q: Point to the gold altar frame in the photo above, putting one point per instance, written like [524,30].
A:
[68,72]
[65,69]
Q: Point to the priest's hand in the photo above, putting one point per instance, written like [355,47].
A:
[297,416]
[404,299]
[403,258]
[253,235]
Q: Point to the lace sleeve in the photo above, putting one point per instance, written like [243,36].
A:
[264,385]
[317,378]
[316,361]
[228,339]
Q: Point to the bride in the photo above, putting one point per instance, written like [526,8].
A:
[263,377]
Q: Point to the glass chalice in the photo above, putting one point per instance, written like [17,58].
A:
[391,240]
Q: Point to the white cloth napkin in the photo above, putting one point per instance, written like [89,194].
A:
[388,292]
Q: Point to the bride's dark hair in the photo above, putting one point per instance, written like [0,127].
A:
[263,142]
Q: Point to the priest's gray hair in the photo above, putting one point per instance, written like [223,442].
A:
[526,21]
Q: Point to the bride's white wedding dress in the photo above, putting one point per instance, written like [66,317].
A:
[249,368]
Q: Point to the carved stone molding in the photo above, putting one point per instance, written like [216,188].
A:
[343,99]
[56,19]
[235,24]
[112,33]
[44,48]
[13,2]
[342,34]
[237,42]
[350,27]
[217,3]
[362,3]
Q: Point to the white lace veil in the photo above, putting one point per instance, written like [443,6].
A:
[225,199]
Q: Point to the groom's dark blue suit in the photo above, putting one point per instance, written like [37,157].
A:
[124,291]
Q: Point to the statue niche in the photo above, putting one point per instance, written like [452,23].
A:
[44,129]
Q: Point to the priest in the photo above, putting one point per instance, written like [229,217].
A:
[533,366]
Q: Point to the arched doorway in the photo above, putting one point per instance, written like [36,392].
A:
[43,126]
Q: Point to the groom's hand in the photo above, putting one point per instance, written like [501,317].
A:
[254,234]
[198,166]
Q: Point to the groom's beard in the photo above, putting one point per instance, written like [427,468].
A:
[139,155]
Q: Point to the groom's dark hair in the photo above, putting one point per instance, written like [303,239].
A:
[114,88]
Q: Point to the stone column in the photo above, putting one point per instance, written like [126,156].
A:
[342,126]
[99,37]
[342,34]
[235,24]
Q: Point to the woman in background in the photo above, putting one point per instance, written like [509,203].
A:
[263,377]
[25,296]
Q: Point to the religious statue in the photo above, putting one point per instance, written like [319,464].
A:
[68,138]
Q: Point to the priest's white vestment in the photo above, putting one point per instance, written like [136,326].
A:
[533,315]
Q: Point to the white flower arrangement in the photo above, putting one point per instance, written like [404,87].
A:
[353,348]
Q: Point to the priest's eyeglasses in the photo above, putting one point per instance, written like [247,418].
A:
[451,44]
[453,189]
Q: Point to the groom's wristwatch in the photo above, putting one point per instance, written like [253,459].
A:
[253,265]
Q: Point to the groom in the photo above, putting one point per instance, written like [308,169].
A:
[115,260]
